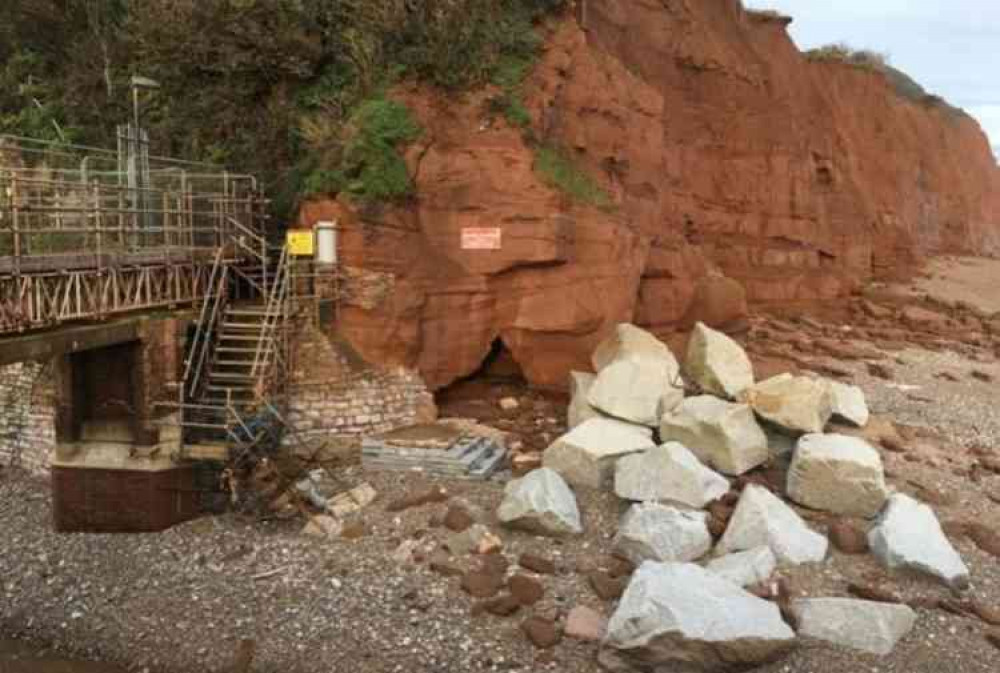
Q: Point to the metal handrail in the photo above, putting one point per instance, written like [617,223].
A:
[212,310]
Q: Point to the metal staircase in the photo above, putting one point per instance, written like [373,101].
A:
[234,388]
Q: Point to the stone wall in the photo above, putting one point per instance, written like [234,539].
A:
[27,415]
[335,393]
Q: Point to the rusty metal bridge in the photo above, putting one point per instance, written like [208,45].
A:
[80,240]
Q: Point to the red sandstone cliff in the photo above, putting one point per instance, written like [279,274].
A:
[735,166]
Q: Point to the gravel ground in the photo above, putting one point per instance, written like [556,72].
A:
[181,601]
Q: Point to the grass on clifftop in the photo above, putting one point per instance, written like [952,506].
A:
[867,59]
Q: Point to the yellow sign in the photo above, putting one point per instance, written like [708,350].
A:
[301,243]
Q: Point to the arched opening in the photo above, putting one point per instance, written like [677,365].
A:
[478,395]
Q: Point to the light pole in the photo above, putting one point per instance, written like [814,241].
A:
[139,156]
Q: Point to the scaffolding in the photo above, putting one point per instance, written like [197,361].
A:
[86,233]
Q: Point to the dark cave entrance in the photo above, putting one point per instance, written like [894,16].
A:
[478,395]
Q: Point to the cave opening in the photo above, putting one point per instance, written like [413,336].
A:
[477,395]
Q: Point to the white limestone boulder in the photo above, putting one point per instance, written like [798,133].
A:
[745,568]
[839,474]
[579,409]
[638,378]
[668,473]
[848,403]
[797,403]
[907,535]
[866,626]
[586,455]
[675,614]
[721,434]
[762,519]
[654,532]
[717,364]
[540,502]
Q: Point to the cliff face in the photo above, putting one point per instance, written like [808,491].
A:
[738,170]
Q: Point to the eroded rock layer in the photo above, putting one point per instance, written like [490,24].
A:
[738,172]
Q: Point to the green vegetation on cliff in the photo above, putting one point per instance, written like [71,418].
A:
[292,90]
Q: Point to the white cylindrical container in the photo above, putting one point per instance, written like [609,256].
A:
[326,242]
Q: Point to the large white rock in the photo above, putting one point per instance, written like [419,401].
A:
[723,435]
[540,502]
[579,409]
[676,614]
[797,403]
[717,364]
[837,473]
[745,568]
[654,532]
[860,625]
[848,403]
[762,519]
[907,535]
[668,473]
[638,378]
[586,455]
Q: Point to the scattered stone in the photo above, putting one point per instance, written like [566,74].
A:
[476,539]
[536,563]
[761,518]
[849,403]
[323,526]
[872,592]
[527,590]
[985,538]
[541,632]
[349,502]
[982,376]
[796,403]
[353,530]
[541,502]
[866,626]
[442,564]
[675,613]
[668,473]
[509,404]
[586,455]
[579,409]
[618,566]
[501,606]
[606,587]
[435,494]
[993,638]
[583,623]
[745,568]
[987,613]
[638,377]
[907,535]
[839,474]
[482,583]
[717,364]
[847,537]
[461,515]
[721,434]
[403,554]
[523,463]
[654,532]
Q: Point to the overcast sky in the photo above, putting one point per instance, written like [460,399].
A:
[952,47]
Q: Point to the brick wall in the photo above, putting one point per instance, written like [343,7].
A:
[333,392]
[27,415]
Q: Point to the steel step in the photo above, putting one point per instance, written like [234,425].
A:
[233,349]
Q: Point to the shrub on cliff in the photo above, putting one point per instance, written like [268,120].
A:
[843,53]
[557,169]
